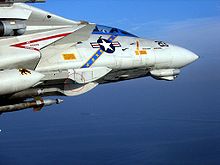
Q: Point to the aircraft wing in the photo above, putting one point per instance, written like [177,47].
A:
[32,42]
[40,17]
[36,20]
[28,28]
[37,26]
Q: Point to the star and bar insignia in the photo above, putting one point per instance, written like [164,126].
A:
[106,45]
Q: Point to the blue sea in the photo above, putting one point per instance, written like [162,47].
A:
[138,122]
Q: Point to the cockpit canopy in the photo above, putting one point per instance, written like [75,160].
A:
[99,29]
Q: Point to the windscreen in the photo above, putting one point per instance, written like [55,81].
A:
[111,31]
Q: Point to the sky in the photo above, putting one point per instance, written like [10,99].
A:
[141,121]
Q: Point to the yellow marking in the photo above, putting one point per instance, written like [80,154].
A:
[138,51]
[69,56]
[143,52]
[93,59]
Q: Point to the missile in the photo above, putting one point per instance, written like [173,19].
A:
[16,80]
[37,105]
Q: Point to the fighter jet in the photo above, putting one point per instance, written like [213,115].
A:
[45,55]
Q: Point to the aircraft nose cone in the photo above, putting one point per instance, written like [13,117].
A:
[183,57]
[191,57]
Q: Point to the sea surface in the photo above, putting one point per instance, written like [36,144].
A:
[138,122]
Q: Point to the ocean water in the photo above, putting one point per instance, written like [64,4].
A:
[135,122]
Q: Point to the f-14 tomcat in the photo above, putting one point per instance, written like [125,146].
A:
[46,55]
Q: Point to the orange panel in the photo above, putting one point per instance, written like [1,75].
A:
[69,56]
[143,52]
